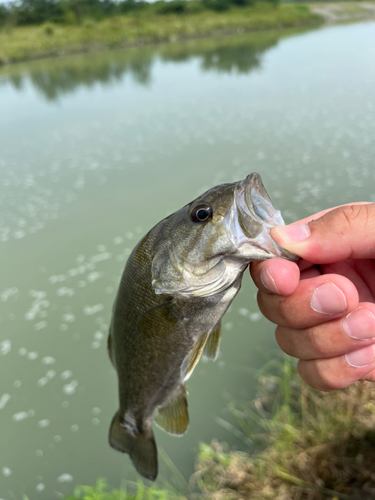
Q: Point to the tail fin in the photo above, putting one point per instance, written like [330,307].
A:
[140,448]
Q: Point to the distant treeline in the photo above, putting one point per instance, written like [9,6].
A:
[26,12]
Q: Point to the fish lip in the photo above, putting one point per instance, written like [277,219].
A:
[254,201]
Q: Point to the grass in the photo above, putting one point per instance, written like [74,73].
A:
[314,445]
[101,492]
[32,42]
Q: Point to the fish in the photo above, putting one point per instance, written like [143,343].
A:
[177,284]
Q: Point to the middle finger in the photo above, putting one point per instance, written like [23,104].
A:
[316,300]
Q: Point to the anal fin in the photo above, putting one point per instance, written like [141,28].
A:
[211,348]
[174,416]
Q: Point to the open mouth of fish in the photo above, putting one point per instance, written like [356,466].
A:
[256,216]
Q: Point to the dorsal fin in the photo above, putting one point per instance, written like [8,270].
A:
[174,416]
[211,349]
[193,357]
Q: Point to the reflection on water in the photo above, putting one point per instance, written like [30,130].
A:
[90,159]
[61,76]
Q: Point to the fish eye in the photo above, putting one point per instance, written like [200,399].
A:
[201,213]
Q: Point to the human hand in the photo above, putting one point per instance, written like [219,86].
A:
[324,306]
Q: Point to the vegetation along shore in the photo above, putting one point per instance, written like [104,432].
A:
[28,33]
[145,27]
[302,445]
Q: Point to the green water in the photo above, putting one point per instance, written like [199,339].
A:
[96,149]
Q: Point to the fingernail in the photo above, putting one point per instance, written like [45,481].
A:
[328,299]
[295,233]
[361,357]
[267,281]
[360,324]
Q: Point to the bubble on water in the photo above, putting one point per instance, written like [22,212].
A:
[221,364]
[80,259]
[40,325]
[256,316]
[32,355]
[66,374]
[17,384]
[95,421]
[90,310]
[57,438]
[243,311]
[5,347]
[65,405]
[93,276]
[40,487]
[48,360]
[129,235]
[96,410]
[43,423]
[57,278]
[6,471]
[95,345]
[38,306]
[3,400]
[65,291]
[68,317]
[22,351]
[82,283]
[9,292]
[42,381]
[19,234]
[74,428]
[39,453]
[98,336]
[228,326]
[109,289]
[101,248]
[71,387]
[18,417]
[65,478]
[31,413]
[117,240]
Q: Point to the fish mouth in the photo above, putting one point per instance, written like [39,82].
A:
[256,217]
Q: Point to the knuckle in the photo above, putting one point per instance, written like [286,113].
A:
[318,376]
[315,347]
[264,305]
[358,215]
[288,314]
[284,341]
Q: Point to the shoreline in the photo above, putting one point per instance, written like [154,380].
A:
[30,43]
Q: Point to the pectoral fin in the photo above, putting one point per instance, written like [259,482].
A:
[193,357]
[174,416]
[211,349]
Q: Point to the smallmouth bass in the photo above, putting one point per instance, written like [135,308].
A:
[177,284]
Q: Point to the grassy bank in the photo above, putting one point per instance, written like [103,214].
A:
[32,42]
[307,445]
[316,445]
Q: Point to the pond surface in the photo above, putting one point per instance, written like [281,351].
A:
[96,149]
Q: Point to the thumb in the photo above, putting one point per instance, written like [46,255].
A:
[347,231]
